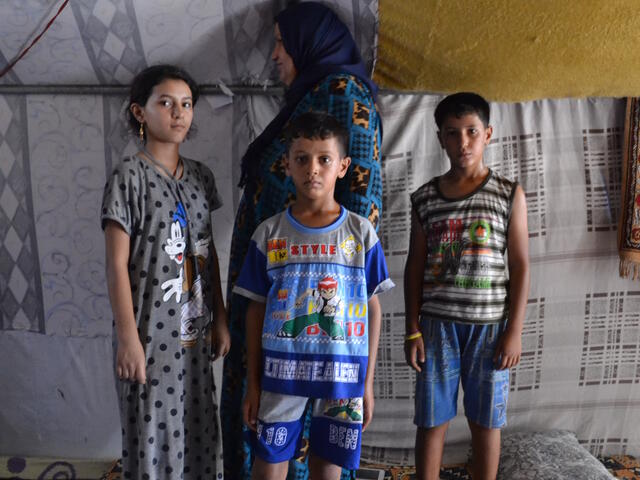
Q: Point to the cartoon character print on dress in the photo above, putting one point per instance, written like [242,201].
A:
[188,279]
[360,114]
[175,247]
[348,409]
[322,312]
[195,307]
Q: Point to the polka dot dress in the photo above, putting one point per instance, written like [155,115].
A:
[169,425]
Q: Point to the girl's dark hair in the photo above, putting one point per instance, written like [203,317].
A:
[143,83]
[462,103]
[317,125]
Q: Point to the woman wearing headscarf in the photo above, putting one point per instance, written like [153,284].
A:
[321,67]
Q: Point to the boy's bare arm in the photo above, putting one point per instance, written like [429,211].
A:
[375,318]
[130,359]
[510,346]
[413,278]
[254,323]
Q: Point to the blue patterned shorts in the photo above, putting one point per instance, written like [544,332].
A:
[335,433]
[460,352]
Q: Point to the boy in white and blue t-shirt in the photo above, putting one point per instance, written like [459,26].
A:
[312,273]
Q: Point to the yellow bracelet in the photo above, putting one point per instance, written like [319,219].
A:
[413,336]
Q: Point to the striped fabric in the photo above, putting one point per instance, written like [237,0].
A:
[465,276]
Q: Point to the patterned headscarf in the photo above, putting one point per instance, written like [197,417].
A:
[320,45]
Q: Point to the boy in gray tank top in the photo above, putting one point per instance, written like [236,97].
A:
[464,314]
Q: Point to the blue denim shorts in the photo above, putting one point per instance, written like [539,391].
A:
[454,353]
[335,432]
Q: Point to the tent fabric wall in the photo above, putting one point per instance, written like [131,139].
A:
[510,51]
[105,42]
[581,342]
[55,154]
[581,366]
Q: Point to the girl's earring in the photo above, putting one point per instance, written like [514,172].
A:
[141,132]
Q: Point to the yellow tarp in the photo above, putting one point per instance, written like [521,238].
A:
[511,50]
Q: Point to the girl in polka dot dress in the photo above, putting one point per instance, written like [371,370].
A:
[164,286]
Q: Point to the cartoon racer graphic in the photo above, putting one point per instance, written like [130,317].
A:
[326,304]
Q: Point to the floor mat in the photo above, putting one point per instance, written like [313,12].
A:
[623,467]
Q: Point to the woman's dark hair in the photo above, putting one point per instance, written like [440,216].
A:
[317,125]
[143,83]
[462,103]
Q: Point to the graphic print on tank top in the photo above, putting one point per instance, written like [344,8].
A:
[459,255]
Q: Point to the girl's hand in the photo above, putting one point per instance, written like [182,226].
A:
[220,336]
[250,407]
[414,353]
[368,403]
[508,350]
[130,361]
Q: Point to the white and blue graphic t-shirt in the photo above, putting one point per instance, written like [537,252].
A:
[316,283]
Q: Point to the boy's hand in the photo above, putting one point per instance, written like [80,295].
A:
[414,353]
[508,350]
[250,406]
[130,361]
[220,336]
[368,403]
